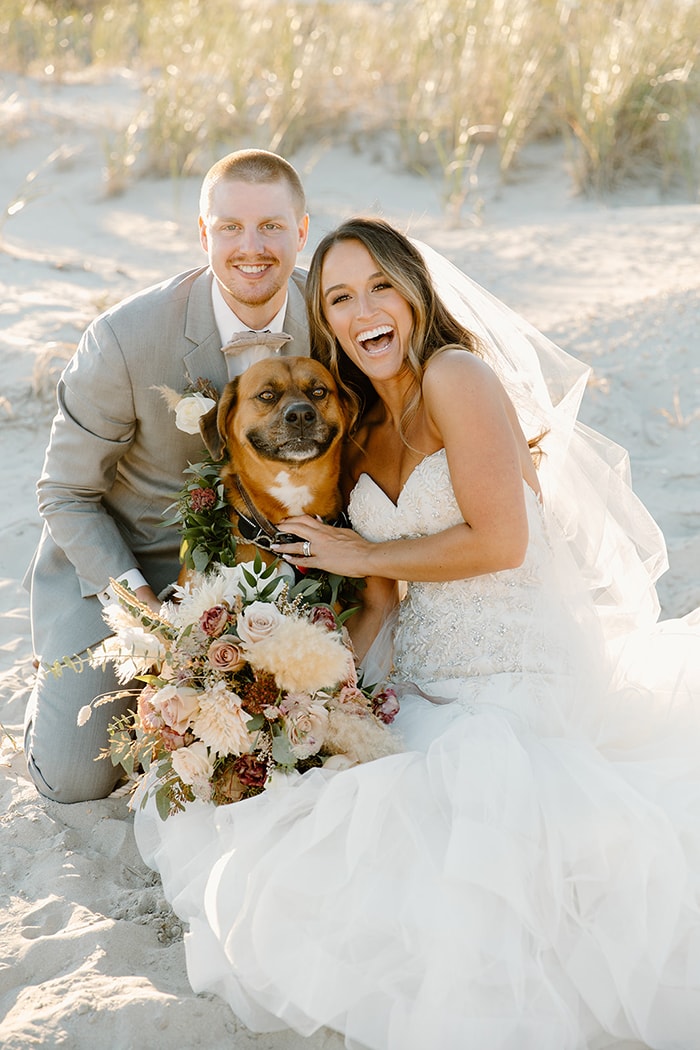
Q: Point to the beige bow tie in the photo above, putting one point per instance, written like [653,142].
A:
[270,341]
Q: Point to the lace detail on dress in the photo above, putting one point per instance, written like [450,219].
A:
[461,628]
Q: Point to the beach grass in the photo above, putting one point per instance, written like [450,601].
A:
[434,82]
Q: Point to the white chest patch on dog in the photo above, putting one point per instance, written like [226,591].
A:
[294,496]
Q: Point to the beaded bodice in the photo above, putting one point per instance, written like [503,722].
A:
[479,626]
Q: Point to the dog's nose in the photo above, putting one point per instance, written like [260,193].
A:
[300,413]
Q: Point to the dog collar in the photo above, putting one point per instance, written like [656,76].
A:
[259,530]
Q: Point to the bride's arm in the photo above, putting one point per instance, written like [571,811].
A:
[468,411]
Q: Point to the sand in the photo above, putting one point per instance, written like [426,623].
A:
[90,953]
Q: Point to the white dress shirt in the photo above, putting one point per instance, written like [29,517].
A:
[229,325]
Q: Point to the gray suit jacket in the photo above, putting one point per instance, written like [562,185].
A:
[115,458]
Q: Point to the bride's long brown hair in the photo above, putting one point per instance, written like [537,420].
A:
[434,327]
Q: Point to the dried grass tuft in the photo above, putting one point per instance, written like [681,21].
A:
[443,79]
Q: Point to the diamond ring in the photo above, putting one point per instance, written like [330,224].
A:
[307,548]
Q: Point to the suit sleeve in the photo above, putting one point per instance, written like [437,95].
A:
[93,429]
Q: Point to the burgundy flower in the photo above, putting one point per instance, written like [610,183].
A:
[324,616]
[386,706]
[213,621]
[251,771]
[202,499]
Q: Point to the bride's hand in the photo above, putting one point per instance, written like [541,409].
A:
[322,546]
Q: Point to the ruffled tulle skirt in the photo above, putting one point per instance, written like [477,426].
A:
[513,881]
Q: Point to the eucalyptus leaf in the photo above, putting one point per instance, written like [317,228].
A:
[282,750]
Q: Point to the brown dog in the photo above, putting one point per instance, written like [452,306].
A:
[282,424]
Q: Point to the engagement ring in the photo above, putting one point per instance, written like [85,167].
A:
[307,548]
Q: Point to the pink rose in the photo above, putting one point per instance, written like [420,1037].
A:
[213,621]
[176,704]
[224,655]
[350,694]
[147,714]
[259,620]
[171,740]
[306,725]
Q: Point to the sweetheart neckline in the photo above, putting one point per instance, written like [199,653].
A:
[430,455]
[379,488]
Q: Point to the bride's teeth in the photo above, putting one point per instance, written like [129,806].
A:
[384,329]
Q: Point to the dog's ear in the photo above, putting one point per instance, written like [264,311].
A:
[210,432]
[212,425]
[346,408]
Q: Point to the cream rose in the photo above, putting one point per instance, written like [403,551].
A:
[258,621]
[338,762]
[192,763]
[189,410]
[176,705]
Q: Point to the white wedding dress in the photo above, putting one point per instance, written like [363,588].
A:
[524,876]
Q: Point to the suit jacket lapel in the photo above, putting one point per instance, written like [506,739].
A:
[205,359]
[295,323]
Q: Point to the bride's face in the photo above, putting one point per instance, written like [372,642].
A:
[371,320]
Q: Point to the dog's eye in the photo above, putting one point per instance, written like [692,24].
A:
[267,395]
[319,392]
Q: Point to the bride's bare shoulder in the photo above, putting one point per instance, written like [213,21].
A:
[458,369]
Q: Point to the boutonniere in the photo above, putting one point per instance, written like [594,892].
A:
[189,406]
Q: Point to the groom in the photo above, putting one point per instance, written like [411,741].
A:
[115,457]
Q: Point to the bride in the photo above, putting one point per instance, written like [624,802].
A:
[525,875]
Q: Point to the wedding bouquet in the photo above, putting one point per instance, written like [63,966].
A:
[244,680]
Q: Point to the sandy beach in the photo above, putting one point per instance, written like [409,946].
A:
[90,953]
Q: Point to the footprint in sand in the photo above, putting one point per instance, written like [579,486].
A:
[44,920]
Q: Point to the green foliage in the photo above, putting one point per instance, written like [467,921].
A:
[315,586]
[282,750]
[201,514]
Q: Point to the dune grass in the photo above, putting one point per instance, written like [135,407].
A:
[431,82]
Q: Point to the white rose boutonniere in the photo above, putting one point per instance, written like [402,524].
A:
[189,410]
[190,406]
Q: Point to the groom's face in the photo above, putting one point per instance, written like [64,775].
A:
[252,235]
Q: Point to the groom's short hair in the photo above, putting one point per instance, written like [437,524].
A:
[254,166]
